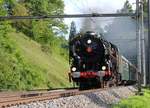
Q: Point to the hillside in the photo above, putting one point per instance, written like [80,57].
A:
[33,53]
[54,65]
[26,66]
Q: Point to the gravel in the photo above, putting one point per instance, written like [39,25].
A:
[102,99]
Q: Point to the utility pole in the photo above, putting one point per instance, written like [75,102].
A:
[138,36]
[143,44]
[138,45]
[148,43]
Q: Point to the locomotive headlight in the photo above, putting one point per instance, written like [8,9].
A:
[74,69]
[89,41]
[103,68]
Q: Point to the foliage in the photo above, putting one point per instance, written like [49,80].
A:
[60,46]
[42,33]
[46,32]
[2,10]
[136,101]
[49,63]
[46,7]
[145,8]
[22,25]
[127,8]
[16,70]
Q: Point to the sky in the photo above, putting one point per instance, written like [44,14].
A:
[77,6]
[90,6]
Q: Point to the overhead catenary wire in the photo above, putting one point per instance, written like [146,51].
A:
[69,16]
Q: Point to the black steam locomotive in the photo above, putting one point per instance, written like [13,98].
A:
[95,62]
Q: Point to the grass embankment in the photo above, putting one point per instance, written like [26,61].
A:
[136,101]
[54,66]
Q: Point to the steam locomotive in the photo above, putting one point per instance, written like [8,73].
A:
[95,62]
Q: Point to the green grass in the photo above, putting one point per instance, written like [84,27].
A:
[136,101]
[54,65]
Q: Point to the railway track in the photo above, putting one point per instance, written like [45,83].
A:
[8,99]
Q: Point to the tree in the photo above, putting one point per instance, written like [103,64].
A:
[145,8]
[22,25]
[72,30]
[42,32]
[2,10]
[127,8]
[45,7]
[42,8]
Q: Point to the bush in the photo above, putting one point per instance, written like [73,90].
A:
[46,48]
[15,72]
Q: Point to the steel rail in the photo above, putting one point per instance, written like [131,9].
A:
[69,16]
[32,97]
[4,94]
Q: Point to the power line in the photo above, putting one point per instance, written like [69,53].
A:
[69,16]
